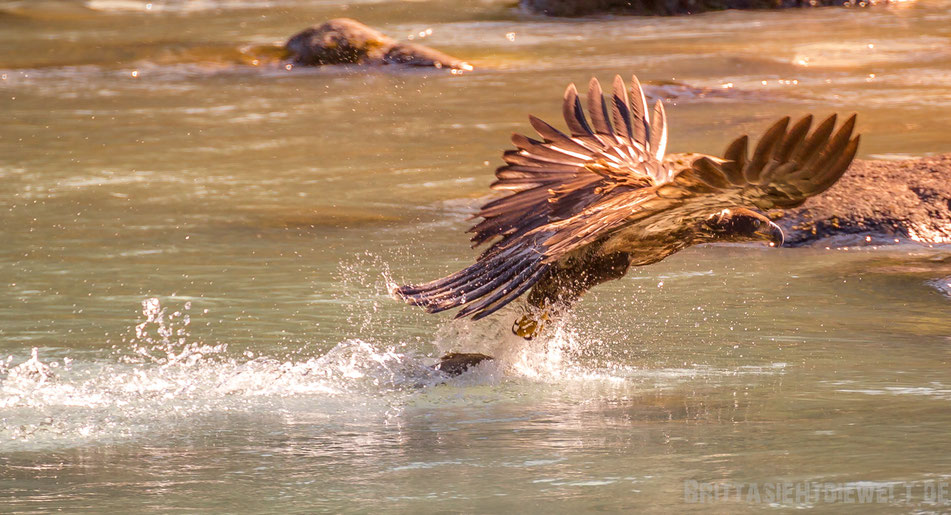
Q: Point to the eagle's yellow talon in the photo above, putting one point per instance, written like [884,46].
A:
[529,327]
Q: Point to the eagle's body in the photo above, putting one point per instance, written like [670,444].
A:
[585,207]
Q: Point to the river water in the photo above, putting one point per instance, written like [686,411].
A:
[196,252]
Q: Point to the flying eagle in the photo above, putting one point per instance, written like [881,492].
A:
[586,206]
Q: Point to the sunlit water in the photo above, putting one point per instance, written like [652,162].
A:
[197,251]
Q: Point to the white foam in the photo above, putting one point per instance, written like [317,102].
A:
[161,375]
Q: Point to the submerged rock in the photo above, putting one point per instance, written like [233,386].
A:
[456,363]
[346,41]
[878,199]
[669,7]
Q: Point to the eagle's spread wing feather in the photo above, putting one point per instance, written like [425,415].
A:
[570,190]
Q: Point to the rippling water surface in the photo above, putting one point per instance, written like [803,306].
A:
[196,253]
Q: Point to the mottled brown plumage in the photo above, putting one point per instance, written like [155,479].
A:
[585,206]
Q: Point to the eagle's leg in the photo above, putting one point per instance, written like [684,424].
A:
[564,284]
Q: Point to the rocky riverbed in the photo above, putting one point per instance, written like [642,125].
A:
[878,200]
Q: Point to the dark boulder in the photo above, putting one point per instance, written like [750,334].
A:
[878,200]
[668,7]
[456,363]
[346,41]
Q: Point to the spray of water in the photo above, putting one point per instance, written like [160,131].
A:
[160,376]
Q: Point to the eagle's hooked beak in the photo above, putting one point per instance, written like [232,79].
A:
[773,234]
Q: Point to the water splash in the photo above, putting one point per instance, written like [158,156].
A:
[163,338]
[161,376]
[31,371]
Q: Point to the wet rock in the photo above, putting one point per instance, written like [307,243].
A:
[943,285]
[670,7]
[346,41]
[879,200]
[456,363]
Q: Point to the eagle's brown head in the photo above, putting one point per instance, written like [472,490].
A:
[739,225]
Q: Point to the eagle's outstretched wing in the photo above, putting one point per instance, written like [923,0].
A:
[570,191]
[787,166]
[552,180]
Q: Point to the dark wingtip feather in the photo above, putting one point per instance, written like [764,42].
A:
[794,137]
[835,171]
[599,112]
[737,154]
[640,118]
[621,112]
[764,149]
[849,124]
[574,114]
[815,142]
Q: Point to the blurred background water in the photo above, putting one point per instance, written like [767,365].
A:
[196,250]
